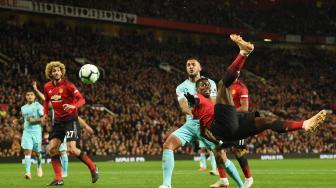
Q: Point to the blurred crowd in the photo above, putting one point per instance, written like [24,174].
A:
[291,83]
[288,17]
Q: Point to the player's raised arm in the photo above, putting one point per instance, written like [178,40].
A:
[46,104]
[38,92]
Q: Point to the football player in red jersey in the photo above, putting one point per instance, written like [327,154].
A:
[221,121]
[241,101]
[65,100]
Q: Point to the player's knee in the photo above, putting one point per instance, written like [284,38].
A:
[72,152]
[171,143]
[167,145]
[203,150]
[53,151]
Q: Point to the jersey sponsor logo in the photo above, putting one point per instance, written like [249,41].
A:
[56,98]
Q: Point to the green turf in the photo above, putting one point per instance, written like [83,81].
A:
[267,174]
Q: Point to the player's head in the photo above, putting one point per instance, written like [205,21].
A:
[203,87]
[30,96]
[193,67]
[55,70]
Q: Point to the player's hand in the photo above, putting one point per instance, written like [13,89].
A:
[44,119]
[190,98]
[67,107]
[30,119]
[34,84]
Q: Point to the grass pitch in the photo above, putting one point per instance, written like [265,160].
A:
[298,173]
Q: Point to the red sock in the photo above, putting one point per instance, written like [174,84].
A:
[292,125]
[221,171]
[244,166]
[57,166]
[237,64]
[86,160]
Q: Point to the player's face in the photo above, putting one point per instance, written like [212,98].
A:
[204,88]
[30,97]
[56,73]
[193,68]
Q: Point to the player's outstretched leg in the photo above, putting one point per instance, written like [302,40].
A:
[232,72]
[309,125]
[73,150]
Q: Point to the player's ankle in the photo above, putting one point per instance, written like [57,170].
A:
[244,53]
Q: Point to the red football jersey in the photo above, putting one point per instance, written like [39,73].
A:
[63,92]
[204,111]
[239,92]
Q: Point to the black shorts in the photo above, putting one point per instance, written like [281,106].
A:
[69,129]
[230,125]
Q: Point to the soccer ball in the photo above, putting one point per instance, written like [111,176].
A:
[89,73]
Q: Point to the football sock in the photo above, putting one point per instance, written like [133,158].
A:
[86,160]
[203,160]
[213,161]
[167,166]
[27,163]
[244,166]
[233,172]
[292,125]
[231,73]
[221,171]
[39,160]
[286,126]
[65,163]
[56,163]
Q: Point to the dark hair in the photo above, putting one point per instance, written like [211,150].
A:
[193,58]
[29,90]
[200,80]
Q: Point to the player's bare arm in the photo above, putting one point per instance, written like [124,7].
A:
[34,120]
[244,106]
[185,107]
[37,91]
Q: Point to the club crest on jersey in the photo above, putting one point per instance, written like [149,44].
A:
[60,90]
[233,91]
[56,97]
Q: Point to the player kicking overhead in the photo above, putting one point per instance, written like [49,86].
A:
[65,100]
[191,129]
[63,147]
[241,101]
[32,132]
[222,122]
